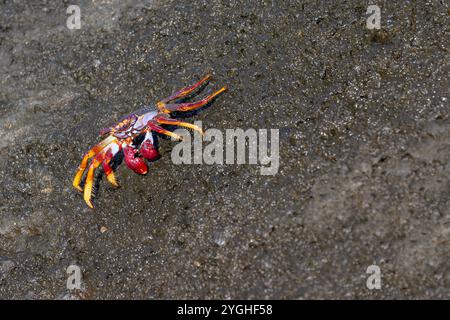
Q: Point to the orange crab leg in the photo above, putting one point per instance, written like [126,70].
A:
[107,168]
[155,127]
[99,147]
[186,91]
[175,122]
[90,177]
[188,106]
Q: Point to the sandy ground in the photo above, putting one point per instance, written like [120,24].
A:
[364,150]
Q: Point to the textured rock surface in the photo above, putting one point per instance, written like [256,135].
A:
[364,150]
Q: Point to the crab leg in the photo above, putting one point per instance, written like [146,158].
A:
[95,150]
[186,91]
[90,177]
[153,125]
[188,106]
[112,151]
[175,122]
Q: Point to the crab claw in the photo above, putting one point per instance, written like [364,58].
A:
[147,149]
[133,161]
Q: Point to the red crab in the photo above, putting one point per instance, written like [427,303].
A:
[133,135]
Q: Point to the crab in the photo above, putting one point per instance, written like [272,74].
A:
[133,135]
